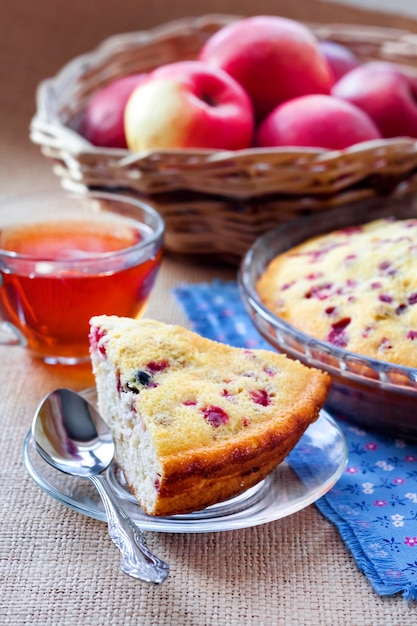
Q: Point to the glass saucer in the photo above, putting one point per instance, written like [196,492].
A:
[308,472]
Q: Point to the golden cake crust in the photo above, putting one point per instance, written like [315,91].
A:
[355,288]
[219,418]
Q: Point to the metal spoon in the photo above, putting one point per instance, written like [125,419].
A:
[72,437]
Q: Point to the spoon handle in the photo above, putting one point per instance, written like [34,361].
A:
[137,560]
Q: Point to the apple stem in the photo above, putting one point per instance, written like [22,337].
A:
[208,99]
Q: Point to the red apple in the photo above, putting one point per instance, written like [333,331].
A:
[341,59]
[189,105]
[386,93]
[316,121]
[273,58]
[102,122]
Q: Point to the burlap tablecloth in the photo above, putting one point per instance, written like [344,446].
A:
[59,567]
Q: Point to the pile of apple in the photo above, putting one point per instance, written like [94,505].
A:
[258,82]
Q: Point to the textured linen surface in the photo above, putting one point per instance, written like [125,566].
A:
[374,504]
[59,568]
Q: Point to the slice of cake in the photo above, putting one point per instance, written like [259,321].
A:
[196,422]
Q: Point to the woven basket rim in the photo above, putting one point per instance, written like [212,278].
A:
[77,144]
[243,174]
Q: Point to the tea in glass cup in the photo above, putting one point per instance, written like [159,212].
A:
[66,257]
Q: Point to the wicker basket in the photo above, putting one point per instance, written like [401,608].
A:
[219,202]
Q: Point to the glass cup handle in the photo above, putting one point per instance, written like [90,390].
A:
[10,335]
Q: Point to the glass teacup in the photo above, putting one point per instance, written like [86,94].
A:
[65,257]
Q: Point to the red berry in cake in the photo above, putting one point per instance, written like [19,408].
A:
[95,337]
[384,297]
[319,291]
[367,331]
[384,265]
[350,257]
[215,416]
[260,396]
[337,335]
[157,366]
[385,344]
[287,285]
[387,269]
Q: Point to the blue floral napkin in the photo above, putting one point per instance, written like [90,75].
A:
[374,504]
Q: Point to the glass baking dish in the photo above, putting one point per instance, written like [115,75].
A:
[370,393]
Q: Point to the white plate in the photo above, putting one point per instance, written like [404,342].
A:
[308,472]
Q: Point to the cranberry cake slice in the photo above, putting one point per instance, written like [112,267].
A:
[195,421]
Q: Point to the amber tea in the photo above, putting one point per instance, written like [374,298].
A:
[57,273]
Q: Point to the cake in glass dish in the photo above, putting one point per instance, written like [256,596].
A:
[355,288]
[339,292]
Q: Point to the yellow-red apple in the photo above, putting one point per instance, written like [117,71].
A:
[341,59]
[386,93]
[319,121]
[273,58]
[188,104]
[103,118]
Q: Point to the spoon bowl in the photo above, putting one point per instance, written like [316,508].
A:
[70,435]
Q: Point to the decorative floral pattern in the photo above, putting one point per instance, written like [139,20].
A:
[374,504]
